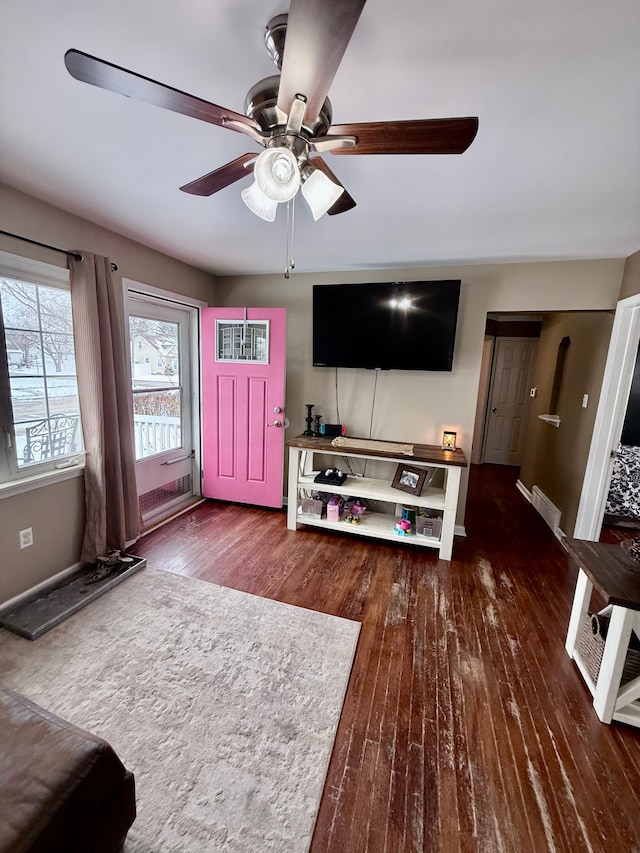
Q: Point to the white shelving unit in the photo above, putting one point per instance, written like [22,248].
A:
[615,691]
[379,525]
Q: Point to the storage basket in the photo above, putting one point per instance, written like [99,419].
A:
[591,640]
[312,507]
[428,526]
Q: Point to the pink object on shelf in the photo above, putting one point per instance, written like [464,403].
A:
[356,508]
[335,508]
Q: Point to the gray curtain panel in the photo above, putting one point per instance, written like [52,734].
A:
[111,503]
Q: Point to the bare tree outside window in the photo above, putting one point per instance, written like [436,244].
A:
[38,317]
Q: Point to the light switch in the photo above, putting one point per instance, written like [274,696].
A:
[585,400]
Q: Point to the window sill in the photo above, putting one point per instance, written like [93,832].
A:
[554,420]
[38,481]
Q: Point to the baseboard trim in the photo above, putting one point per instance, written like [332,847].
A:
[43,586]
[170,517]
[524,491]
[544,507]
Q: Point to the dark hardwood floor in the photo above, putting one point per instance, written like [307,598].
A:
[465,727]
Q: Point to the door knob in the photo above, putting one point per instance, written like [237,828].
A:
[494,410]
[275,424]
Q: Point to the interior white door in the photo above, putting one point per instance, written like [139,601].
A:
[162,391]
[509,400]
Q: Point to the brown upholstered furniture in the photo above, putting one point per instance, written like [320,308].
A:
[61,788]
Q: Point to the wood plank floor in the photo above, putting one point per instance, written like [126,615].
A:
[465,726]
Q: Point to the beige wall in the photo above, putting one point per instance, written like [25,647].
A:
[555,458]
[56,512]
[631,277]
[417,406]
[30,217]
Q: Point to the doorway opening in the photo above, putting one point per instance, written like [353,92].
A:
[564,390]
[504,394]
[165,400]
[616,403]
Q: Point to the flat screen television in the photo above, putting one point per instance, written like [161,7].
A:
[398,325]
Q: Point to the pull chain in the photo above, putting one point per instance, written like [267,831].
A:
[291,222]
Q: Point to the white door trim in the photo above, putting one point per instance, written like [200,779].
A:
[149,290]
[140,290]
[612,407]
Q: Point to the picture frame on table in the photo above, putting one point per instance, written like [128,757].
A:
[409,479]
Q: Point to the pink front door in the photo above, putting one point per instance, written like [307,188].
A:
[243,371]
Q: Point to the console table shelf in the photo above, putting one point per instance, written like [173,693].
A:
[617,580]
[442,499]
[377,490]
[373,524]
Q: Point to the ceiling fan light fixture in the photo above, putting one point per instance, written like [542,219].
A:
[259,203]
[320,192]
[277,174]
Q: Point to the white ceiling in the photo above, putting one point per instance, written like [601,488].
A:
[553,173]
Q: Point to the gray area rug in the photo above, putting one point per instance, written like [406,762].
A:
[223,704]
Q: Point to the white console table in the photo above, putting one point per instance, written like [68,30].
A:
[606,568]
[442,498]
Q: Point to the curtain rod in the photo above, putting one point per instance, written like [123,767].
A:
[75,255]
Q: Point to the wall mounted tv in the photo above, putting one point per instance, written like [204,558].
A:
[399,325]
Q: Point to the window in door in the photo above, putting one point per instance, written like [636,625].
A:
[242,340]
[38,387]
[156,388]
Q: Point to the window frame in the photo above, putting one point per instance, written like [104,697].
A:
[14,479]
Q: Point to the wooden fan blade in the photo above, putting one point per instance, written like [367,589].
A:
[222,177]
[318,32]
[345,202]
[423,136]
[105,75]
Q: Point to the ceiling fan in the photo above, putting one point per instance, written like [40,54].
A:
[289,114]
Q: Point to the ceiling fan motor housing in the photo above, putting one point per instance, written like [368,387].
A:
[260,105]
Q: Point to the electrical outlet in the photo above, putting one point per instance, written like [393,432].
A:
[26,537]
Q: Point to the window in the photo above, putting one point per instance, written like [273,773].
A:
[39,408]
[238,340]
[157,394]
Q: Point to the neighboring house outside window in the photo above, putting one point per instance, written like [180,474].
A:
[152,344]
[39,408]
